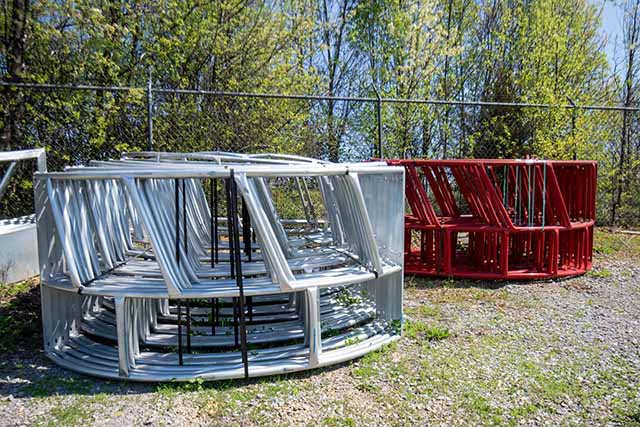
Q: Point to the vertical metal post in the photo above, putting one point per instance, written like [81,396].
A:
[313,328]
[573,127]
[149,113]
[179,307]
[184,217]
[188,326]
[186,251]
[246,231]
[379,121]
[213,201]
[211,226]
[176,184]
[215,215]
[177,206]
[216,321]
[122,326]
[235,226]
[232,264]
[214,303]
[235,322]
[246,238]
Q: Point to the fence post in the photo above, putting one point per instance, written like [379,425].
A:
[573,134]
[149,113]
[379,119]
[573,128]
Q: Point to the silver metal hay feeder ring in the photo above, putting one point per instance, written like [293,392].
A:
[174,266]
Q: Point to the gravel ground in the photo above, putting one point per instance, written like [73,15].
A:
[543,353]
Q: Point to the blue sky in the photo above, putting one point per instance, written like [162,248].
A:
[611,26]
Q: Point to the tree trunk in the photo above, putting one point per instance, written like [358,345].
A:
[13,100]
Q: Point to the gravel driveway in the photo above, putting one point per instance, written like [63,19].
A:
[543,353]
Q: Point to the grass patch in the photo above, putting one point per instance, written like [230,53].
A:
[631,419]
[602,273]
[69,415]
[20,325]
[550,385]
[76,413]
[364,371]
[616,244]
[216,398]
[467,295]
[368,365]
[368,387]
[339,422]
[522,412]
[479,406]
[415,329]
[425,310]
[170,390]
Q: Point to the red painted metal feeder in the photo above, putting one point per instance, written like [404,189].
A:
[499,219]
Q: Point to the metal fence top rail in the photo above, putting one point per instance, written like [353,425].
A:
[362,99]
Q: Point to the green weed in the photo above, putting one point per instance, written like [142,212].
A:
[415,329]
[339,422]
[601,273]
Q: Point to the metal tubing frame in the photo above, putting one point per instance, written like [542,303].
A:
[285,276]
[532,211]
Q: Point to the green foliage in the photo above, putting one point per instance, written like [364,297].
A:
[535,51]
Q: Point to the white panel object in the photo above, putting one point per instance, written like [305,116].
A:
[18,241]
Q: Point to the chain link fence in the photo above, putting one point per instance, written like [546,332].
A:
[80,123]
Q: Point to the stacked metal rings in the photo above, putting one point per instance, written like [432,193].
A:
[173,266]
[499,219]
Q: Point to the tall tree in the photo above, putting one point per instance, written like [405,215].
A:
[14,35]
[401,41]
[336,65]
[625,164]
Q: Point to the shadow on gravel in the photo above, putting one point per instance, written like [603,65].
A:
[25,371]
[418,282]
[34,376]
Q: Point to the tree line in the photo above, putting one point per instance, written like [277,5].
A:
[505,51]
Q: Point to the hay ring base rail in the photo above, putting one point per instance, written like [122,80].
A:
[174,266]
[499,219]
